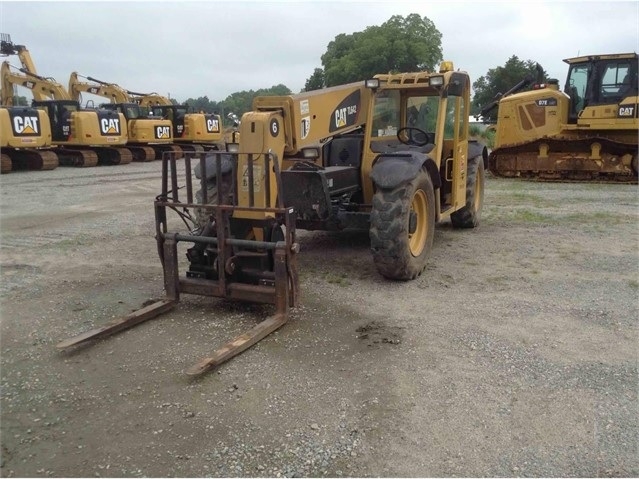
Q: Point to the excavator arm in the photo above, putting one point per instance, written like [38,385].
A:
[7,47]
[113,92]
[41,88]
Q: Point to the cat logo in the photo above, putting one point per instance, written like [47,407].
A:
[213,125]
[162,132]
[26,125]
[29,84]
[627,111]
[346,113]
[110,126]
[94,90]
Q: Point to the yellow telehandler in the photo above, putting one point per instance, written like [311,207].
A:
[390,155]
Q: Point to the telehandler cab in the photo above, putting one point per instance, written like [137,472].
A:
[391,155]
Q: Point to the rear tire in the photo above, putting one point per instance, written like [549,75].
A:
[470,214]
[402,228]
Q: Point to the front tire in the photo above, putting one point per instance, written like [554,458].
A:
[202,216]
[469,215]
[402,228]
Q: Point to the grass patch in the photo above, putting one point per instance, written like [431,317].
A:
[339,279]
[633,283]
[598,217]
[72,243]
[528,216]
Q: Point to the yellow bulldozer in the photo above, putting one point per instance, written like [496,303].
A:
[587,132]
[79,137]
[148,137]
[390,155]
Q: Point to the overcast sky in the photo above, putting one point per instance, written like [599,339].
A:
[214,48]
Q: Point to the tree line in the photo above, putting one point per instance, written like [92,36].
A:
[401,44]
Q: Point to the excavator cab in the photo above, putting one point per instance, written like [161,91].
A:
[131,111]
[174,113]
[59,113]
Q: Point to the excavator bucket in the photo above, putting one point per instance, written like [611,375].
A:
[245,253]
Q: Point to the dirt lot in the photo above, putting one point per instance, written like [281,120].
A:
[514,354]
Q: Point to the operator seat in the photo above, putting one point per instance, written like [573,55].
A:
[628,86]
[575,101]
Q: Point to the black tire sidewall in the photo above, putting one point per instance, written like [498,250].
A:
[389,231]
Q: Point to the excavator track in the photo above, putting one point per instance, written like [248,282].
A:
[192,148]
[77,158]
[142,153]
[34,160]
[161,149]
[596,160]
[6,166]
[114,156]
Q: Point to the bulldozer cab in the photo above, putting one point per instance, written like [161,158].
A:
[600,80]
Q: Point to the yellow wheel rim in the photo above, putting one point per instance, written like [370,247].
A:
[417,240]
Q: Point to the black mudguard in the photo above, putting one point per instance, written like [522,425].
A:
[392,169]
[476,148]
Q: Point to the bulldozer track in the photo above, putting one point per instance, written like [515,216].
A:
[592,160]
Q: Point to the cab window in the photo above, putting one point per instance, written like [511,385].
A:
[386,114]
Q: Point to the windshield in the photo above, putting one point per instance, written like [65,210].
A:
[420,112]
[386,113]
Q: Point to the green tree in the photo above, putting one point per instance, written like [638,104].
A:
[315,81]
[500,79]
[202,104]
[242,101]
[401,44]
[239,102]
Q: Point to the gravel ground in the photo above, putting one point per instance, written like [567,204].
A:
[514,354]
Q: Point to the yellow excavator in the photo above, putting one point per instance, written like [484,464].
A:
[148,136]
[195,132]
[390,155]
[79,137]
[587,132]
[25,140]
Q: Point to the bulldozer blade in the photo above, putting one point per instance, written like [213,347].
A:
[239,344]
[148,312]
